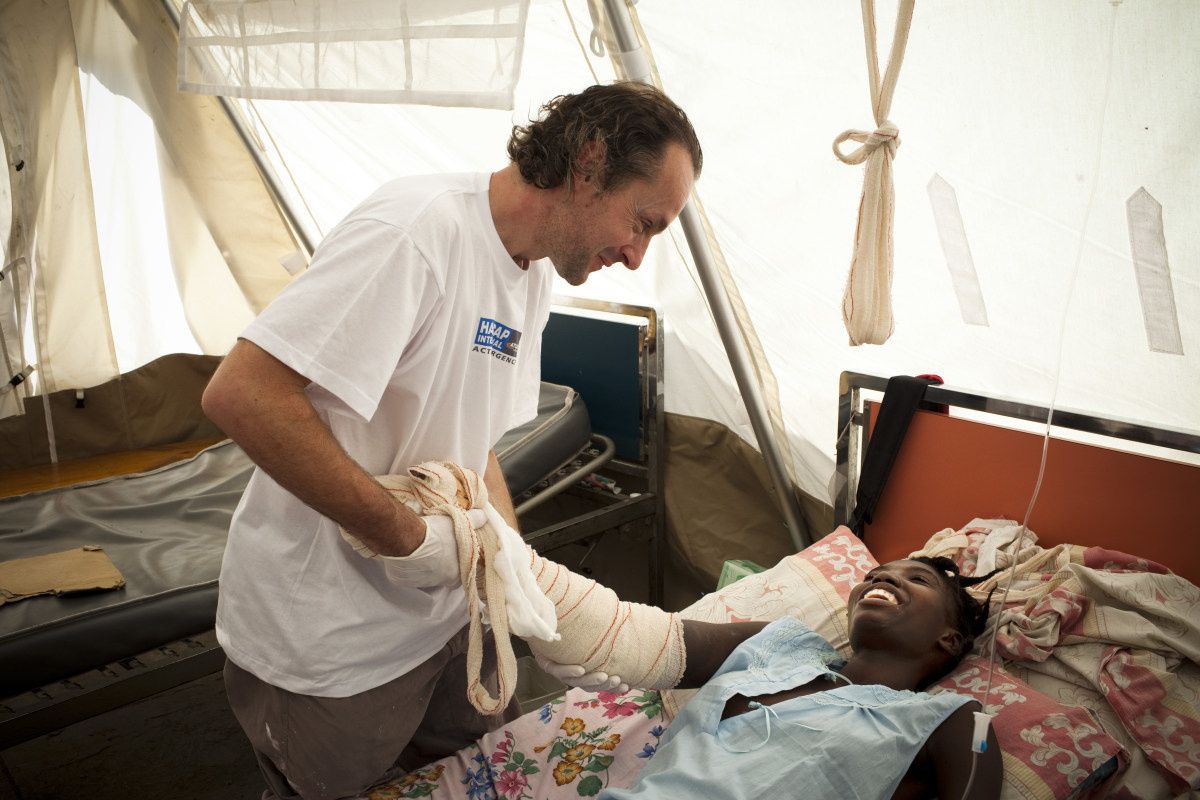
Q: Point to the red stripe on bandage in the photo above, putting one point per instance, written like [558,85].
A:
[610,636]
[578,602]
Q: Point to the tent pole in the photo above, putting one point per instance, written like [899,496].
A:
[269,176]
[636,66]
[739,359]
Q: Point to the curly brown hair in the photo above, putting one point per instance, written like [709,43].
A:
[634,122]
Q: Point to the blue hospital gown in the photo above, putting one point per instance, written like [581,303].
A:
[852,741]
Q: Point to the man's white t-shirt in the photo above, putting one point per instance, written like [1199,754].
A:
[422,339]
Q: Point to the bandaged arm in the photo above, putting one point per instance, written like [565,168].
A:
[600,632]
[706,645]
[627,643]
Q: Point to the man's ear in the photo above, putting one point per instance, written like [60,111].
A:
[951,642]
[589,163]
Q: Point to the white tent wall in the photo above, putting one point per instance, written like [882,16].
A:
[52,226]
[1004,101]
[445,52]
[223,236]
[1011,104]
[1016,106]
[333,154]
[11,357]
[145,225]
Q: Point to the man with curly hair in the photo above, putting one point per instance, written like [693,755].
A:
[413,336]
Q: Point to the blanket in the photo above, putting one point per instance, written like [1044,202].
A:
[1109,623]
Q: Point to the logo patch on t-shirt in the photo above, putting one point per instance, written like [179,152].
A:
[497,339]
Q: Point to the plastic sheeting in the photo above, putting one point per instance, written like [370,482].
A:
[1008,107]
[164,530]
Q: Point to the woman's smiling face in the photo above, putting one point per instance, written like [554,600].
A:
[903,606]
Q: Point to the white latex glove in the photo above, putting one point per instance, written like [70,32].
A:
[531,615]
[435,561]
[576,675]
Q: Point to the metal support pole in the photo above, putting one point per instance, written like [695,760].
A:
[638,68]
[269,176]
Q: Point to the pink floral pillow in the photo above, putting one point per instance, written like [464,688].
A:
[1050,750]
[813,586]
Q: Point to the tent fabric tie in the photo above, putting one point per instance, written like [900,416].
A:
[887,136]
[867,300]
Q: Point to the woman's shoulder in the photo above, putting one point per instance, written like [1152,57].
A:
[785,639]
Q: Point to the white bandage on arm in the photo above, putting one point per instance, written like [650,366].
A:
[642,644]
[596,629]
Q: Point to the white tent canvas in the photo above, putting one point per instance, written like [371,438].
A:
[1047,200]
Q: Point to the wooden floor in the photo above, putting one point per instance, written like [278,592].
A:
[83,470]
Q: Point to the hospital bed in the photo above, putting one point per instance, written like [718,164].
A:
[968,455]
[68,658]
[1115,503]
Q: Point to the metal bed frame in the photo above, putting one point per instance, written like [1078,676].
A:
[857,388]
[644,465]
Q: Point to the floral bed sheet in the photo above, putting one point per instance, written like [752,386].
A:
[1086,627]
[571,747]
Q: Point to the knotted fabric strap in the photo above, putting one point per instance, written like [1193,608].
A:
[887,136]
[642,644]
[867,301]
[444,488]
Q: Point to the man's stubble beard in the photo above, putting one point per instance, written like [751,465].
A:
[572,261]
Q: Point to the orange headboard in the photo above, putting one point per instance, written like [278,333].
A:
[951,470]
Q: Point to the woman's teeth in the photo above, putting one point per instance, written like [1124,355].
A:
[881,594]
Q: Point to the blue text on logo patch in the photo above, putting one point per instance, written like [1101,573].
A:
[498,337]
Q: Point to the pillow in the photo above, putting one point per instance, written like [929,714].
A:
[813,586]
[1050,750]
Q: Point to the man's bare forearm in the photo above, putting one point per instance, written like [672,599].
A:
[261,404]
[498,494]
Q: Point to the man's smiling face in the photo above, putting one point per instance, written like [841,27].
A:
[595,229]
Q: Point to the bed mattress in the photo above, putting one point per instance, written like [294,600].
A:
[165,531]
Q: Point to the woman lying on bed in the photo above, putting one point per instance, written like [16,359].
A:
[781,715]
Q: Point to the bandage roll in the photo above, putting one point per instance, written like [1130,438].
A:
[643,645]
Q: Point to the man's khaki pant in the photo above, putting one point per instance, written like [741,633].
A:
[322,748]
